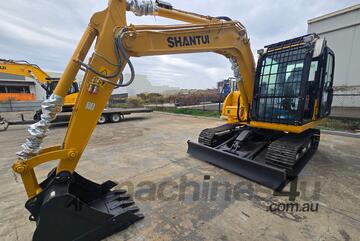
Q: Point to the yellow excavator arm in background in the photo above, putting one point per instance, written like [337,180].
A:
[26,69]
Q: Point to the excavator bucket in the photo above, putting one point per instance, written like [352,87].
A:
[71,208]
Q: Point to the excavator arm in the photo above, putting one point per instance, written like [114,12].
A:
[227,38]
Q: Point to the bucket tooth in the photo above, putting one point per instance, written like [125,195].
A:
[120,197]
[133,209]
[120,204]
[119,191]
[72,208]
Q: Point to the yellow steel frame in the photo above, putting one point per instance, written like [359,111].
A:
[283,127]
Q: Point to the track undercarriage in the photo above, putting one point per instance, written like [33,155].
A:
[270,158]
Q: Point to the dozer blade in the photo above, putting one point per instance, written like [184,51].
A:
[72,208]
[266,175]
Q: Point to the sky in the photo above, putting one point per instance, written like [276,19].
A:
[45,32]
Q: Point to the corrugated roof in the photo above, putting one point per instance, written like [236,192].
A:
[336,13]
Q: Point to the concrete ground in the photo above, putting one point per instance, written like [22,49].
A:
[148,152]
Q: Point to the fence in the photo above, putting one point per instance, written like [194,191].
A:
[336,110]
[12,106]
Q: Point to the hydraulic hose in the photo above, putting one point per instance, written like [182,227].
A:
[238,110]
[125,56]
[120,54]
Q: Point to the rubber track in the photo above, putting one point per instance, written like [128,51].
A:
[208,136]
[288,149]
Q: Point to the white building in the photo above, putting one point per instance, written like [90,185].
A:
[10,83]
[17,84]
[342,32]
[141,84]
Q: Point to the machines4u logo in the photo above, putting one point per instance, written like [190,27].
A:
[2,67]
[188,41]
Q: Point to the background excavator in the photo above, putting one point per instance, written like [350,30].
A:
[226,87]
[26,69]
[269,136]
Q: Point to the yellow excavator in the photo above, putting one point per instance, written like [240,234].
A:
[268,138]
[26,69]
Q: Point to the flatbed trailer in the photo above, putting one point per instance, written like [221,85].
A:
[117,114]
[113,115]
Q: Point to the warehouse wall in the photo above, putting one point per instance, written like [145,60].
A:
[342,32]
[10,106]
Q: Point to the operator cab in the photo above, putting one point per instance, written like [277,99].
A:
[226,86]
[54,81]
[294,80]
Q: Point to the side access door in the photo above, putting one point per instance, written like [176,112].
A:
[326,84]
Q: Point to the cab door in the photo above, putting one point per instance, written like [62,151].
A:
[326,87]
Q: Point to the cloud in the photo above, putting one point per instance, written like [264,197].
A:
[46,32]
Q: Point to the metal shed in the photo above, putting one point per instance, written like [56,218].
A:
[342,31]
